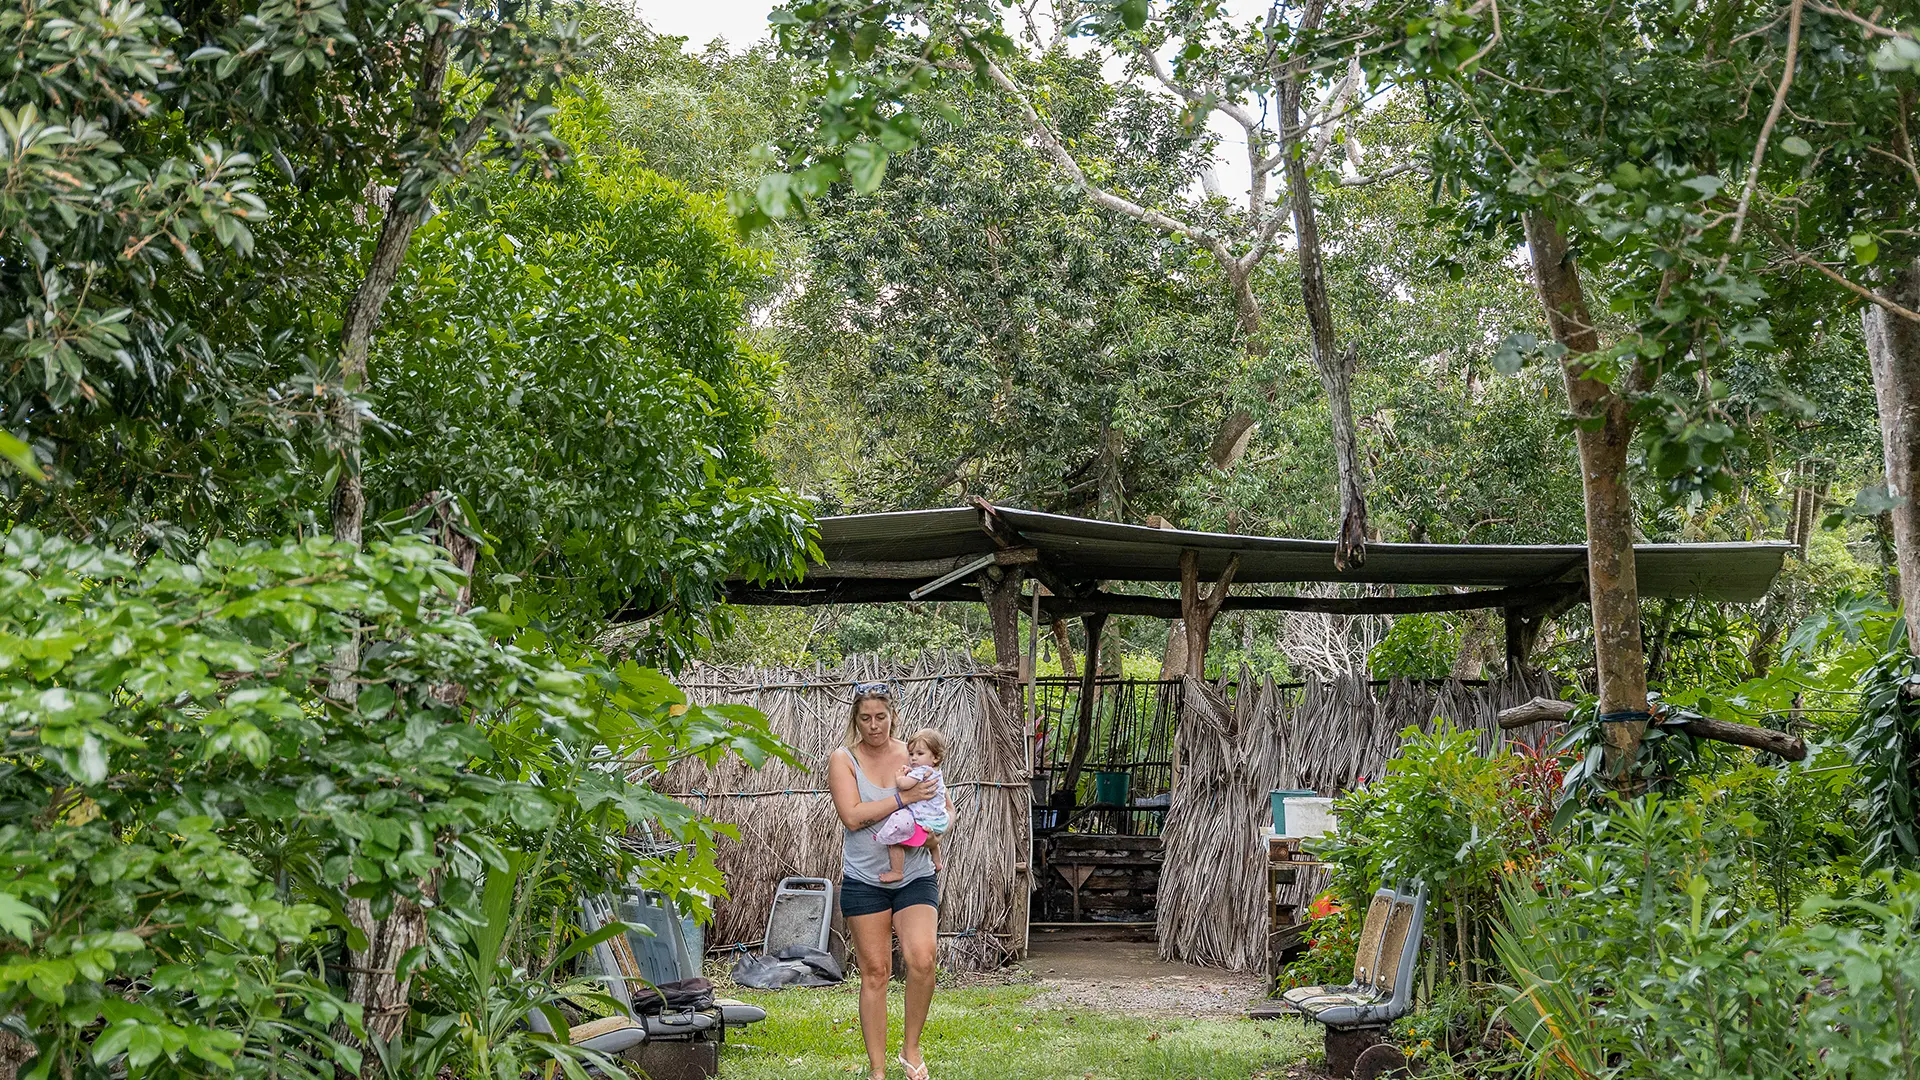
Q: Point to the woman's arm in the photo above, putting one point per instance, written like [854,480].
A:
[855,814]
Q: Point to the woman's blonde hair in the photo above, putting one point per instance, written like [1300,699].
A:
[935,743]
[870,692]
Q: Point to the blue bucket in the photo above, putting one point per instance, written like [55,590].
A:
[1278,797]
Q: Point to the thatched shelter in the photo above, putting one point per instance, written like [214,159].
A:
[1049,568]
[785,814]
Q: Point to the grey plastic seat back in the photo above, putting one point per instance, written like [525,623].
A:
[802,914]
[663,956]
[1413,906]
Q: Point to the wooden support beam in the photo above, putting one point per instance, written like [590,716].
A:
[1545,710]
[1060,605]
[846,591]
[1198,610]
[1001,591]
[1526,620]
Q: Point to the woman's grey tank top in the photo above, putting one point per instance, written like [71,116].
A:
[863,858]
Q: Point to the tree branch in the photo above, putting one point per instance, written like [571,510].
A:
[1779,743]
[1766,129]
[1062,157]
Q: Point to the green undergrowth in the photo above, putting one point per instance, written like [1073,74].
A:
[991,1033]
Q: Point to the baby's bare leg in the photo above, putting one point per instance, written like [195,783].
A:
[897,856]
[933,849]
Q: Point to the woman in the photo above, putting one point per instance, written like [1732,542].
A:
[866,779]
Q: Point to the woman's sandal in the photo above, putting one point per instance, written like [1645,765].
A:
[914,1072]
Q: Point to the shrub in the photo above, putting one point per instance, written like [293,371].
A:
[187,814]
[1451,817]
[1634,957]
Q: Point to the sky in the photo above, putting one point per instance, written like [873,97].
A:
[741,22]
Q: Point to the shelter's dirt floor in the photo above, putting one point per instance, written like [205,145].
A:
[1114,971]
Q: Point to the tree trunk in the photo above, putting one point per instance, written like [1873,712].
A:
[375,982]
[356,338]
[1603,437]
[1335,365]
[1889,560]
[1893,349]
[1089,689]
[1173,662]
[1065,645]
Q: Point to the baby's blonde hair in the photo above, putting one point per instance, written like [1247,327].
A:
[935,743]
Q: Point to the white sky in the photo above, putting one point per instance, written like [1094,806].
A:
[741,22]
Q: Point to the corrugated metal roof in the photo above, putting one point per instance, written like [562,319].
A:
[1088,549]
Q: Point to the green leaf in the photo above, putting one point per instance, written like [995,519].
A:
[1133,13]
[20,455]
[775,195]
[866,166]
[1797,146]
[1866,249]
[1511,355]
[19,918]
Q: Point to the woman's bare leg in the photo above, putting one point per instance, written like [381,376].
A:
[873,944]
[917,928]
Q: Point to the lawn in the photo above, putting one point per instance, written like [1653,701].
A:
[998,1032]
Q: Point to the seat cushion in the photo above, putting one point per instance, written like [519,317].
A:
[1300,994]
[683,1025]
[598,1030]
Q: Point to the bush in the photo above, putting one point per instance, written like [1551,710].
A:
[1450,817]
[1634,957]
[187,814]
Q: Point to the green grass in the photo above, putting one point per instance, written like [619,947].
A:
[997,1033]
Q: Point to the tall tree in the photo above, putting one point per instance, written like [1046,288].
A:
[1610,139]
[976,326]
[1252,74]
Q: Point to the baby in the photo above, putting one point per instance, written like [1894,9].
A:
[922,822]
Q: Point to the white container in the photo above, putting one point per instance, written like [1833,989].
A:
[1309,816]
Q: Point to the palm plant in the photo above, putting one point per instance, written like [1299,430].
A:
[1550,1013]
[480,997]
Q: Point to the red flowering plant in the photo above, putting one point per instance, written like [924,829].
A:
[1332,939]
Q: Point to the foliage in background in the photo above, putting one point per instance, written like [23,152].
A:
[566,358]
[977,328]
[1885,741]
[1637,955]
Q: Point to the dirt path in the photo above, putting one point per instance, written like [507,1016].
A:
[1097,970]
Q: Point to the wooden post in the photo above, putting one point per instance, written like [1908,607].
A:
[1198,611]
[1000,588]
[1083,733]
